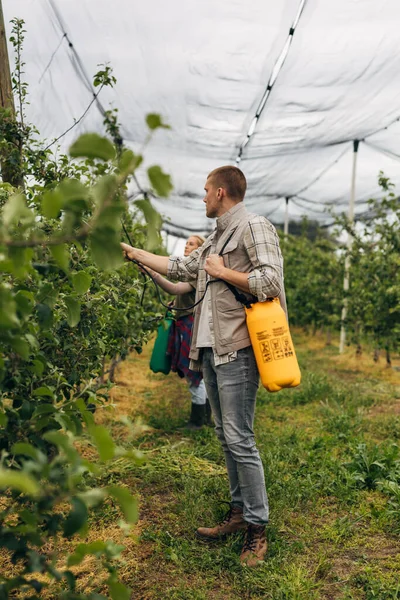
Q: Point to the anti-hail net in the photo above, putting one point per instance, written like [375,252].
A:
[280,88]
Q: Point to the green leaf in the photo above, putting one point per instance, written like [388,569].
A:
[32,341]
[86,415]
[47,294]
[21,258]
[21,346]
[106,249]
[154,121]
[62,442]
[160,181]
[81,282]
[96,548]
[75,195]
[60,255]
[26,450]
[92,145]
[110,204]
[44,409]
[45,316]
[71,580]
[127,502]
[22,482]
[129,162]
[76,519]
[78,426]
[103,441]
[42,423]
[26,410]
[92,497]
[74,310]
[28,517]
[6,265]
[133,454]
[15,210]
[154,222]
[25,302]
[37,367]
[8,309]
[3,419]
[118,591]
[52,202]
[65,422]
[106,189]
[43,391]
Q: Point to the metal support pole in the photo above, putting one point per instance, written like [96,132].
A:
[286,223]
[346,279]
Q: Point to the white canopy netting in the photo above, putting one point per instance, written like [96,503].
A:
[280,88]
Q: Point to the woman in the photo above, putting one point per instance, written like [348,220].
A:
[179,340]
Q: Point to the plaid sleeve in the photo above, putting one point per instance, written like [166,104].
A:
[184,269]
[262,245]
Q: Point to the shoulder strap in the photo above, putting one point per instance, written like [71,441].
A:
[240,297]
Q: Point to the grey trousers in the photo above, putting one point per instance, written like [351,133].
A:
[231,390]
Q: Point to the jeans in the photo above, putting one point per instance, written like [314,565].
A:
[197,393]
[231,390]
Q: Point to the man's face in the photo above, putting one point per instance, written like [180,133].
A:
[212,199]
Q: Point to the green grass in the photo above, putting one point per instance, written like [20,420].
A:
[332,467]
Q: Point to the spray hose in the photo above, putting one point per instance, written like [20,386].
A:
[240,297]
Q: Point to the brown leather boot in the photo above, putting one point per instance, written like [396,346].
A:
[231,523]
[255,546]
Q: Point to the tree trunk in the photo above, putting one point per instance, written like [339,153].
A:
[388,359]
[328,336]
[376,355]
[114,364]
[359,350]
[10,173]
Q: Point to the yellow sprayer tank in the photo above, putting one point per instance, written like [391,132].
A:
[272,345]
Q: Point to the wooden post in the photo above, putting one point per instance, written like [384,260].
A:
[9,173]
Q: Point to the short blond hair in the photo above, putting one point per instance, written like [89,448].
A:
[199,239]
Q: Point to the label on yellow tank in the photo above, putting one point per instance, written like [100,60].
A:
[265,352]
[279,331]
[287,348]
[276,349]
[262,335]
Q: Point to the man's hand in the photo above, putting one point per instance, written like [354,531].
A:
[214,266]
[128,251]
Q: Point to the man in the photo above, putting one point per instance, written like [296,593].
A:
[251,261]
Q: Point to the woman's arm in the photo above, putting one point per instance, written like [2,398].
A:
[160,263]
[176,289]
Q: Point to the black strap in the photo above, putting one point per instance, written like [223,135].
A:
[247,302]
[240,297]
[158,289]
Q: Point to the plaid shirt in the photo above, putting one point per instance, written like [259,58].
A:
[261,243]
